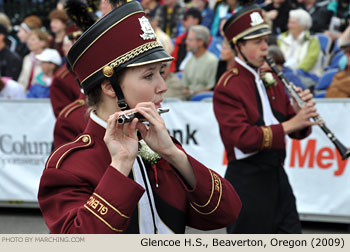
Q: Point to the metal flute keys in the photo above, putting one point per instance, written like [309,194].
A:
[344,152]
[125,118]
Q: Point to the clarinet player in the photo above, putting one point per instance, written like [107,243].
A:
[255,115]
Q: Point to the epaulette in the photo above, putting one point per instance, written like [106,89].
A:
[227,76]
[71,107]
[61,73]
[57,157]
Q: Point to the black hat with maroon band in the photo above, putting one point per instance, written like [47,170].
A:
[121,39]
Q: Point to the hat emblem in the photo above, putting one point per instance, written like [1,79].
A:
[148,32]
[256,19]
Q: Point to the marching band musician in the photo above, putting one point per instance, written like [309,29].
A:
[106,180]
[254,115]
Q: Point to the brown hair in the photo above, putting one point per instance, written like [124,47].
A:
[94,95]
[33,22]
[42,35]
[59,14]
[276,54]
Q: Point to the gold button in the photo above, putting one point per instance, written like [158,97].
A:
[85,139]
[108,71]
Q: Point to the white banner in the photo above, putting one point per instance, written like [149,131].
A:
[26,134]
[320,179]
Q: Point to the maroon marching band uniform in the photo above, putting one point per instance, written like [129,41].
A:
[250,117]
[64,89]
[268,203]
[79,194]
[71,121]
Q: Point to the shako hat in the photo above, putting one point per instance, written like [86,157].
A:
[123,38]
[247,23]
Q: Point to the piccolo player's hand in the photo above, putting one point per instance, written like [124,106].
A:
[122,143]
[155,135]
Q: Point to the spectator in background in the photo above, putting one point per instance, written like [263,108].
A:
[215,46]
[29,23]
[296,3]
[37,41]
[278,13]
[191,17]
[337,18]
[10,89]
[105,7]
[276,54]
[207,13]
[221,9]
[60,4]
[168,15]
[11,41]
[176,89]
[10,62]
[226,61]
[49,60]
[162,37]
[301,50]
[200,70]
[345,36]
[58,25]
[150,6]
[340,86]
[317,10]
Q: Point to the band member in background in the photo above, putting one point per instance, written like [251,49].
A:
[128,178]
[254,116]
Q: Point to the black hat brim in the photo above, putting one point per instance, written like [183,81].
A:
[257,33]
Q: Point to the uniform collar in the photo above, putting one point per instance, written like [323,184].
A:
[96,126]
[249,68]
[97,119]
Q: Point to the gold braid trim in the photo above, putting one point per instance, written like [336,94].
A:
[104,221]
[128,56]
[79,102]
[116,210]
[211,194]
[267,141]
[133,53]
[218,187]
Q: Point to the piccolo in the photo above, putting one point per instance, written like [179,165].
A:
[344,152]
[125,118]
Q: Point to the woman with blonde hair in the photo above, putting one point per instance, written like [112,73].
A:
[37,41]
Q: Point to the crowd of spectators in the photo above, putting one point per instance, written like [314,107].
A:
[309,38]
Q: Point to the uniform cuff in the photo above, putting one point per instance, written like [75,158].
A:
[114,199]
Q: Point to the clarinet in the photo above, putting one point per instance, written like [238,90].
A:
[124,118]
[344,152]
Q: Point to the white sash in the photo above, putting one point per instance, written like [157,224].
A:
[146,224]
